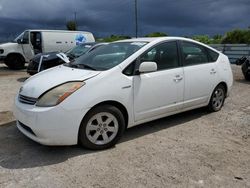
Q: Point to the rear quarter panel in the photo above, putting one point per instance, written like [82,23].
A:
[225,71]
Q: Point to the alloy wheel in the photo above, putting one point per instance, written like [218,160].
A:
[102,128]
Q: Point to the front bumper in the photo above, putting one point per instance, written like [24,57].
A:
[50,125]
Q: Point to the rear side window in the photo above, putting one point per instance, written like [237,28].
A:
[194,54]
[165,55]
[213,56]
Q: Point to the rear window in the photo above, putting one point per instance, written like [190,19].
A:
[213,56]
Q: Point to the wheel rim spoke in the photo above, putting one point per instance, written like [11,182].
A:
[92,127]
[105,136]
[99,119]
[111,129]
[109,120]
[96,135]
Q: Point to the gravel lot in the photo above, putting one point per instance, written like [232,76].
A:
[192,149]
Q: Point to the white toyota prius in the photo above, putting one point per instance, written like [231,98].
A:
[93,99]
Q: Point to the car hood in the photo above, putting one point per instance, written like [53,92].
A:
[8,44]
[43,81]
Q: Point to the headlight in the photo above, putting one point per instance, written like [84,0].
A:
[56,95]
[1,51]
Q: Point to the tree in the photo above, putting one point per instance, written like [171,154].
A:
[112,38]
[202,38]
[240,36]
[156,34]
[71,25]
[217,39]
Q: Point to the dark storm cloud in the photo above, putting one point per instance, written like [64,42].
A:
[104,17]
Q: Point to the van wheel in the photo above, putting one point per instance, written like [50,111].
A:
[15,62]
[247,76]
[101,128]
[217,99]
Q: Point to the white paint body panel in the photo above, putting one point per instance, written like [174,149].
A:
[146,96]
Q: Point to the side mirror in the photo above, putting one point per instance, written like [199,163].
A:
[147,67]
[19,41]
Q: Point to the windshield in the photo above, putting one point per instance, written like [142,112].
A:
[79,50]
[107,56]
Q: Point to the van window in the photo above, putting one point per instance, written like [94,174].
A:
[193,54]
[25,37]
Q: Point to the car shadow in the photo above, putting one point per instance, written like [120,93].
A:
[18,152]
[243,81]
[22,79]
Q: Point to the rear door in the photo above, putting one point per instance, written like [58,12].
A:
[161,92]
[200,74]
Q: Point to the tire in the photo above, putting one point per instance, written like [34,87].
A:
[96,133]
[247,76]
[217,99]
[15,62]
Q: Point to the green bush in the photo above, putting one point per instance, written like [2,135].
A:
[113,38]
[237,36]
[156,34]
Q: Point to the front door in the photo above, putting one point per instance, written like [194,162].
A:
[161,92]
[27,46]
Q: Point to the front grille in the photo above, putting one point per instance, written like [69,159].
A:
[27,100]
[28,129]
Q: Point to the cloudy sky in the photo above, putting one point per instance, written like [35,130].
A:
[105,17]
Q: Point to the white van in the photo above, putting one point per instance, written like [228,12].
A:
[31,42]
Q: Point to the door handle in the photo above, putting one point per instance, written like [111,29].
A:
[178,78]
[213,71]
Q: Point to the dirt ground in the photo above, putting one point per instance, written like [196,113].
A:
[192,149]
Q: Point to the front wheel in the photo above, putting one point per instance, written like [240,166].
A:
[102,127]
[217,99]
[15,62]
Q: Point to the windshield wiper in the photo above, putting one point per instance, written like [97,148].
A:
[86,66]
[71,55]
[79,66]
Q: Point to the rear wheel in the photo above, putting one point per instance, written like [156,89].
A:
[217,98]
[102,127]
[15,62]
[247,76]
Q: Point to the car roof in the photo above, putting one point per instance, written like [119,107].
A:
[159,39]
[151,39]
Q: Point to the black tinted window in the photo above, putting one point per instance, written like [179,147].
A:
[212,55]
[165,55]
[193,54]
[129,70]
[26,37]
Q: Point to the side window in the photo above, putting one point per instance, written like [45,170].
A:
[193,54]
[213,56]
[25,39]
[164,55]
[129,70]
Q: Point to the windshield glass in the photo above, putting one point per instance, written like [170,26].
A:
[79,50]
[19,37]
[107,56]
